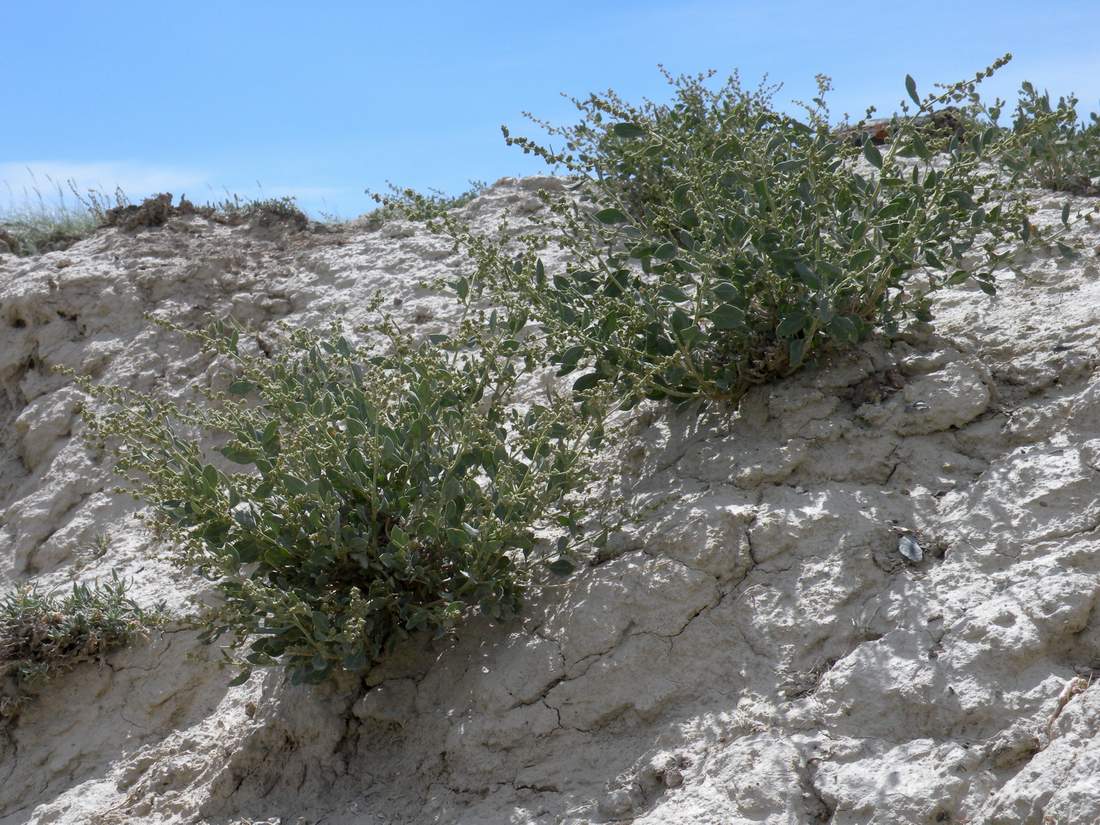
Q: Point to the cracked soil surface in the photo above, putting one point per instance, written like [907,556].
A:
[752,649]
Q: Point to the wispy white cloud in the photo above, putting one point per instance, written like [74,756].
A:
[23,180]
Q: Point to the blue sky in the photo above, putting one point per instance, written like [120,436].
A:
[323,100]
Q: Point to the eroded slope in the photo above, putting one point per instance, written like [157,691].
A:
[754,649]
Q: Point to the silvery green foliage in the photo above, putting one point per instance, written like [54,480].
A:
[1060,152]
[366,494]
[411,205]
[42,634]
[716,242]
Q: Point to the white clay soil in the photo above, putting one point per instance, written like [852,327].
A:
[756,649]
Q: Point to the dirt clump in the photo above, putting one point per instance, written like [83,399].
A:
[158,210]
[154,211]
[942,123]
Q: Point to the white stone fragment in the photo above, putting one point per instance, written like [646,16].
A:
[908,547]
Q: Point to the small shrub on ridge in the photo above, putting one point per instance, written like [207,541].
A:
[42,635]
[714,242]
[1060,152]
[364,494]
[410,205]
[265,212]
[36,225]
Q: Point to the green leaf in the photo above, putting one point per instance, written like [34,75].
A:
[242,514]
[398,537]
[796,350]
[628,130]
[807,275]
[871,152]
[239,454]
[610,216]
[570,358]
[586,381]
[689,334]
[680,320]
[671,292]
[727,316]
[791,325]
[462,287]
[727,292]
[666,251]
[731,148]
[616,283]
[898,206]
[920,148]
[270,435]
[241,387]
[911,87]
[294,485]
[1065,214]
[962,198]
[561,567]
[241,677]
[862,258]
[843,328]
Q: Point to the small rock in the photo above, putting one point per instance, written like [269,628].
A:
[616,803]
[908,547]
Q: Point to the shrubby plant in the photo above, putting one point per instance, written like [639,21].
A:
[262,212]
[714,242]
[35,225]
[39,226]
[234,211]
[362,494]
[411,205]
[42,635]
[1059,152]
